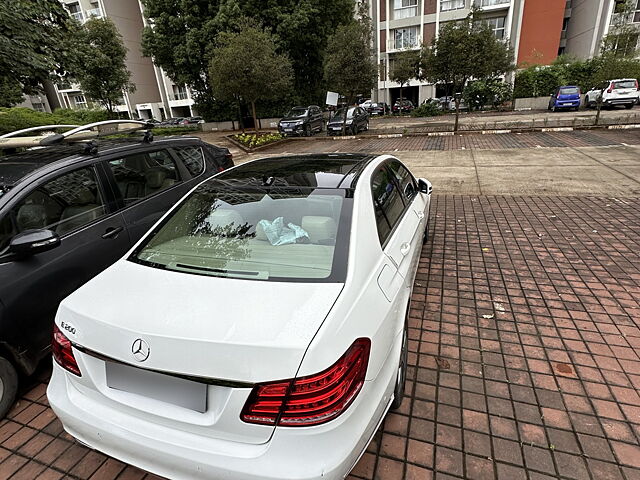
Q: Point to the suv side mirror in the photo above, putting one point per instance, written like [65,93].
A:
[425,186]
[32,242]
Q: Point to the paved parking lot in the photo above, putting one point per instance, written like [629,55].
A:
[525,333]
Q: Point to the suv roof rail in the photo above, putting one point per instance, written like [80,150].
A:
[76,134]
[39,128]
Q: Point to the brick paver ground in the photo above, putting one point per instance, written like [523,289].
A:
[578,138]
[524,344]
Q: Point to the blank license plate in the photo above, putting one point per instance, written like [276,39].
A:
[177,391]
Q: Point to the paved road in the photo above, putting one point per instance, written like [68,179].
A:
[524,344]
[602,162]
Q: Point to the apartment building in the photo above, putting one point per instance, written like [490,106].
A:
[531,27]
[587,22]
[156,95]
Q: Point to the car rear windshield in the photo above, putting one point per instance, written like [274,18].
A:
[569,91]
[277,234]
[340,112]
[624,84]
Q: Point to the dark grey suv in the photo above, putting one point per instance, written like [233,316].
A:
[69,211]
[302,121]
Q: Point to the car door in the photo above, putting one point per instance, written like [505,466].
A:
[75,205]
[148,183]
[398,226]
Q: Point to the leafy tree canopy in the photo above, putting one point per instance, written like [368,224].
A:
[34,41]
[406,65]
[101,70]
[464,50]
[181,40]
[245,65]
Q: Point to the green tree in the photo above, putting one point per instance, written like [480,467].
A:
[349,67]
[180,40]
[245,65]
[101,68]
[622,39]
[464,50]
[34,43]
[609,66]
[406,66]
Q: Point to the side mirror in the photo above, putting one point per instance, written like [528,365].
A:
[425,186]
[32,242]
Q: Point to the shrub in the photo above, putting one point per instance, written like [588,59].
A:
[253,140]
[492,92]
[427,109]
[17,118]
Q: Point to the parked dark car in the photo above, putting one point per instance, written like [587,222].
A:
[379,108]
[302,121]
[357,121]
[191,121]
[402,106]
[67,212]
[171,122]
[567,96]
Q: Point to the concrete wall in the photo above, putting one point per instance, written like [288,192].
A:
[536,103]
[588,22]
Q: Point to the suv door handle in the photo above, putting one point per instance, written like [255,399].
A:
[404,248]
[420,215]
[112,232]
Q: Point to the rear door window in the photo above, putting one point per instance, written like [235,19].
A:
[387,202]
[141,175]
[191,158]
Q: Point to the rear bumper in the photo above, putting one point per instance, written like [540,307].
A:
[567,103]
[621,101]
[323,452]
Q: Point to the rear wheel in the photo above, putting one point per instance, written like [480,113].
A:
[398,392]
[354,129]
[8,386]
[366,126]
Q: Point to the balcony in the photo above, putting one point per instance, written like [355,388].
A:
[180,99]
[77,15]
[94,12]
[392,46]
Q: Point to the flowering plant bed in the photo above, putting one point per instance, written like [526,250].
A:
[256,140]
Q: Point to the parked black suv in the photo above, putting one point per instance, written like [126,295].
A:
[67,212]
[302,121]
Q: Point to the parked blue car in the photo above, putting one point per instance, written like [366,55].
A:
[565,97]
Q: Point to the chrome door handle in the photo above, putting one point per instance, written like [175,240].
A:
[112,232]
[420,215]
[404,248]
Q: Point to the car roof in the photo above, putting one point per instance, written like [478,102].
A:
[332,170]
[16,166]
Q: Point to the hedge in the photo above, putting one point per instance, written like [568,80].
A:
[17,118]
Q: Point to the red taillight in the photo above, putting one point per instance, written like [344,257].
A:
[637,85]
[610,89]
[62,352]
[314,399]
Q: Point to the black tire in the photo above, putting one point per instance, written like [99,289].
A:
[628,106]
[354,129]
[307,130]
[8,386]
[366,126]
[401,378]
[425,236]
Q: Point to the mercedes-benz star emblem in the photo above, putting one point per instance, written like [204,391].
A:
[140,350]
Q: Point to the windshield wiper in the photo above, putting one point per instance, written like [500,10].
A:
[221,271]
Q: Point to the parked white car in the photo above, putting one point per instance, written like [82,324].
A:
[623,91]
[258,331]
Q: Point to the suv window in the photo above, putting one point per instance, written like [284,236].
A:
[624,84]
[63,205]
[406,181]
[144,174]
[387,202]
[192,159]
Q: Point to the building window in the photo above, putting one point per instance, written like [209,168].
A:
[79,99]
[38,107]
[405,8]
[180,92]
[565,24]
[491,3]
[405,38]
[451,4]
[497,26]
[636,14]
[75,11]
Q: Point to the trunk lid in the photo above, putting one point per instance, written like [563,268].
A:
[221,328]
[207,340]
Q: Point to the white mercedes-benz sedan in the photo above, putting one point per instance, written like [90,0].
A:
[258,331]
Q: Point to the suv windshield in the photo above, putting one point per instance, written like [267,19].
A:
[297,112]
[278,234]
